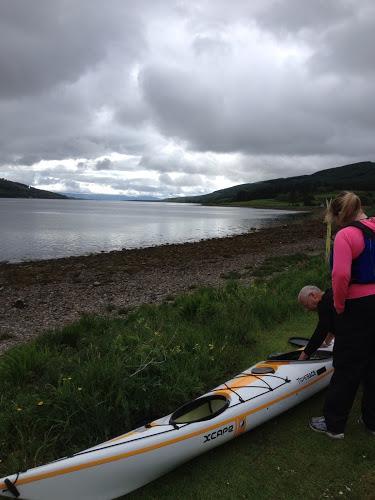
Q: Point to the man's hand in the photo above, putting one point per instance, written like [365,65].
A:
[303,356]
[328,340]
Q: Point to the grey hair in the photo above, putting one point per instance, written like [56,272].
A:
[306,291]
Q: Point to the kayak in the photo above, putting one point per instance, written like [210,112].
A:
[127,462]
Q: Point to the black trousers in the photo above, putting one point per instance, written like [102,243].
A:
[354,362]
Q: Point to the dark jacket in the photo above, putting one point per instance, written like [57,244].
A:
[326,313]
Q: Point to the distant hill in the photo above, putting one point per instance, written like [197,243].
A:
[110,197]
[9,189]
[357,177]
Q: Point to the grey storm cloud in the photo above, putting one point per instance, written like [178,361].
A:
[181,181]
[200,94]
[177,162]
[348,46]
[44,43]
[295,15]
[104,164]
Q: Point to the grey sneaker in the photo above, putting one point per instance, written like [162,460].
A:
[360,421]
[318,424]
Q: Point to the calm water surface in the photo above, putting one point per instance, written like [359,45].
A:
[45,229]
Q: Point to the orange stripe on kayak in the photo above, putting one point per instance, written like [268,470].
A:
[244,380]
[115,458]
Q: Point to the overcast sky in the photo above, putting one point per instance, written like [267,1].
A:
[163,97]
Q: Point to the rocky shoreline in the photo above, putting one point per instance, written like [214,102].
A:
[40,295]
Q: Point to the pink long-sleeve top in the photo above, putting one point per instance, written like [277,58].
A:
[349,244]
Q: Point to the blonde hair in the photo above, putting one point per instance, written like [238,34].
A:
[343,209]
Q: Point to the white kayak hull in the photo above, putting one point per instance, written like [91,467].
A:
[119,466]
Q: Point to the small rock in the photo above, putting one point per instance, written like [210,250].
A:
[19,304]
[96,283]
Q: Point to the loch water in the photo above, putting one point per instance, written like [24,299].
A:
[33,229]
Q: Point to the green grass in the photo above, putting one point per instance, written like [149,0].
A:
[268,203]
[100,377]
[273,265]
[231,275]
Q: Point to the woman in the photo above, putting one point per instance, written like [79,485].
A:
[353,284]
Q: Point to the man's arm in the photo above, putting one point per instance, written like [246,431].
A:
[317,338]
[323,327]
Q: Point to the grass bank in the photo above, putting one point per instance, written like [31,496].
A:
[270,203]
[100,377]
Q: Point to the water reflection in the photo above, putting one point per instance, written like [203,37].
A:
[43,229]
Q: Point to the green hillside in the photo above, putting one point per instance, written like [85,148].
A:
[9,189]
[299,189]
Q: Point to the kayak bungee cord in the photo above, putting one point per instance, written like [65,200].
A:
[267,386]
[245,374]
[232,390]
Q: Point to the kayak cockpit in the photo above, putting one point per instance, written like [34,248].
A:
[318,355]
[200,409]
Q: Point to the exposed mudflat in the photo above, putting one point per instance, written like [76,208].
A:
[40,295]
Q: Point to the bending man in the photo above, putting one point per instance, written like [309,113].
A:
[313,299]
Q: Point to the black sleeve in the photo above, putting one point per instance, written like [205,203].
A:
[324,326]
